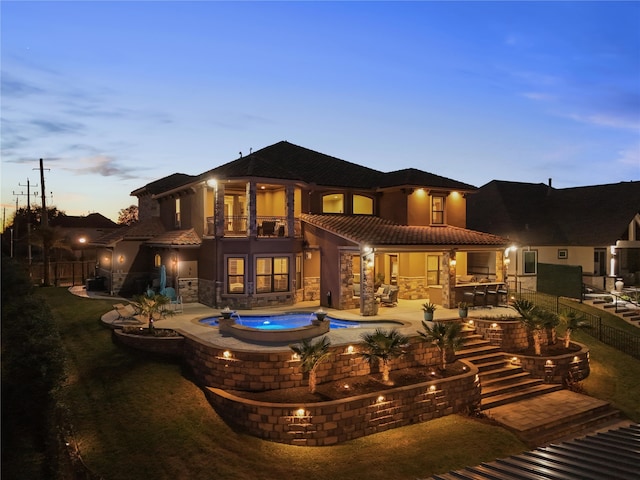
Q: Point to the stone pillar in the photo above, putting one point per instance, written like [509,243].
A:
[290,209]
[448,280]
[218,210]
[252,225]
[501,272]
[368,304]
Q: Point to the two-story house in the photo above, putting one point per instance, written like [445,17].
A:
[288,224]
[594,227]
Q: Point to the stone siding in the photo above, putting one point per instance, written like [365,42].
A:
[413,288]
[188,289]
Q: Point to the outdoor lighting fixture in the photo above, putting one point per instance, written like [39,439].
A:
[432,388]
[380,399]
[346,386]
[212,182]
[576,359]
[350,349]
[452,262]
[432,373]
[470,323]
[295,356]
[549,363]
[515,361]
[121,259]
[300,412]
[507,261]
[494,325]
[226,354]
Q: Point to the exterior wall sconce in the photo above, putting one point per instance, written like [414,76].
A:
[452,262]
[157,260]
[308,255]
[121,259]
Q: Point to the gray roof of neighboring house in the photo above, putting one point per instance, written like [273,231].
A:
[93,220]
[142,230]
[286,161]
[376,231]
[537,214]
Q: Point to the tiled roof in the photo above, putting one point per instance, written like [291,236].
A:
[287,161]
[412,177]
[536,214]
[93,220]
[176,238]
[143,230]
[376,231]
[170,182]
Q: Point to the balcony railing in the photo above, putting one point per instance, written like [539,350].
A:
[267,226]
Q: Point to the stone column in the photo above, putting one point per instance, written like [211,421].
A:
[252,228]
[290,209]
[448,280]
[218,210]
[368,304]
[501,273]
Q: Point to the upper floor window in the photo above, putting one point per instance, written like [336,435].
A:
[177,212]
[272,274]
[362,205]
[333,203]
[437,209]
[235,275]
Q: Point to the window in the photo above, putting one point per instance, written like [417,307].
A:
[235,275]
[530,262]
[178,212]
[362,205]
[272,274]
[333,203]
[298,271]
[437,209]
[433,270]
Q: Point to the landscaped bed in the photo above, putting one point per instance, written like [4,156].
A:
[352,386]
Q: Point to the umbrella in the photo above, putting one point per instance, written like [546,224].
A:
[163,278]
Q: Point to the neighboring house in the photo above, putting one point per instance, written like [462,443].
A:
[288,224]
[78,232]
[594,227]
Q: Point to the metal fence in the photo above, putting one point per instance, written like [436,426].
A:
[622,340]
[63,274]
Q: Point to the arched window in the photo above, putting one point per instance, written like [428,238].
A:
[157,260]
[333,203]
[362,205]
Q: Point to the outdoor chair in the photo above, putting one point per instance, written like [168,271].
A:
[268,228]
[174,300]
[390,297]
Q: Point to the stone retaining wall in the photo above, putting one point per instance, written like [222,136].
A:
[556,369]
[262,370]
[328,423]
[510,335]
[169,346]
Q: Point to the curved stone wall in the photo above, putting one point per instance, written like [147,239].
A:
[328,423]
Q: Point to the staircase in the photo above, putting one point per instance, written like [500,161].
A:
[501,382]
[504,384]
[626,311]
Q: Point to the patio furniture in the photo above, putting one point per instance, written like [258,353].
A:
[390,297]
[268,228]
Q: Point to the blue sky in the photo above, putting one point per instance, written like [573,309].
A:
[113,95]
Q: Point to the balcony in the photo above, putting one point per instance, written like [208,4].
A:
[267,227]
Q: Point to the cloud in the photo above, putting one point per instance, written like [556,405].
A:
[14,87]
[104,166]
[57,126]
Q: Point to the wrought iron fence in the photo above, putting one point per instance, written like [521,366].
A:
[622,340]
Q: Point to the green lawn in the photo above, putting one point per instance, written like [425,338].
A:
[136,417]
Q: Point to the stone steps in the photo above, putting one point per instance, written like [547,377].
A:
[522,393]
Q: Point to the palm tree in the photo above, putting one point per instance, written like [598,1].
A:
[312,355]
[151,306]
[382,346]
[573,321]
[447,336]
[532,321]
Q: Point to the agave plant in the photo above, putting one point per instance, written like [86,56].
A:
[312,355]
[573,321]
[447,336]
[382,346]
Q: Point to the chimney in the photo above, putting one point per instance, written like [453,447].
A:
[550,179]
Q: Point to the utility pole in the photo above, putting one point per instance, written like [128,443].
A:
[44,225]
[28,195]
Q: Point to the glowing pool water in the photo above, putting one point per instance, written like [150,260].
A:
[287,321]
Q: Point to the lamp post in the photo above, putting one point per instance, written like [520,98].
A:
[82,241]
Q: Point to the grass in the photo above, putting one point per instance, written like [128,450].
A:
[138,417]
